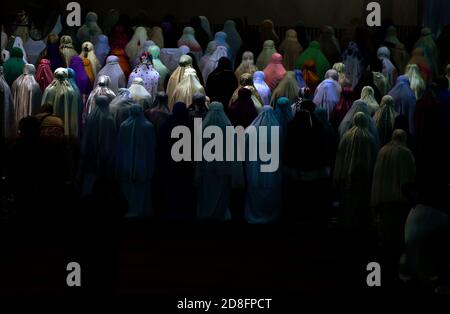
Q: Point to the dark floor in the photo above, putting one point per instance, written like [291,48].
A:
[171,260]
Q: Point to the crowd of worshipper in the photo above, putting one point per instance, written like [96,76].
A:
[364,123]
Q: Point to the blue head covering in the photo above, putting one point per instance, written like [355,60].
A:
[72,76]
[102,48]
[221,40]
[299,77]
[404,100]
[98,146]
[136,148]
[283,112]
[262,87]
[263,201]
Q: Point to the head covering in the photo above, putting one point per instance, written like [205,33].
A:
[171,56]
[385,118]
[120,106]
[283,112]
[266,54]
[416,82]
[389,70]
[98,146]
[188,39]
[206,26]
[198,108]
[394,168]
[427,43]
[288,87]
[418,57]
[340,69]
[13,67]
[113,70]
[342,107]
[87,51]
[328,92]
[247,64]
[185,90]
[18,43]
[138,39]
[356,155]
[26,94]
[242,112]
[88,68]
[209,62]
[368,96]
[215,179]
[156,35]
[267,32]
[354,63]
[329,44]
[263,199]
[34,48]
[82,79]
[184,62]
[64,99]
[310,75]
[349,119]
[262,87]
[123,60]
[313,52]
[102,49]
[66,48]
[118,38]
[380,82]
[53,53]
[139,93]
[399,54]
[102,89]
[221,82]
[8,116]
[148,74]
[90,30]
[44,74]
[220,38]
[135,162]
[233,38]
[274,71]
[246,81]
[404,100]
[159,66]
[210,49]
[291,49]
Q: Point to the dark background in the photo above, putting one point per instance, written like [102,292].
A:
[283,12]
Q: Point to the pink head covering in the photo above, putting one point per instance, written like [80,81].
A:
[44,74]
[274,71]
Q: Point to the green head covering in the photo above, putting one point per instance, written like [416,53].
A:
[16,53]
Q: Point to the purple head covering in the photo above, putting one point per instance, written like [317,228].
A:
[83,82]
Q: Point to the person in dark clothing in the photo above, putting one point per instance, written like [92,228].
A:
[222,82]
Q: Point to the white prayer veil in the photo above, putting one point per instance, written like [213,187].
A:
[139,94]
[136,42]
[416,81]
